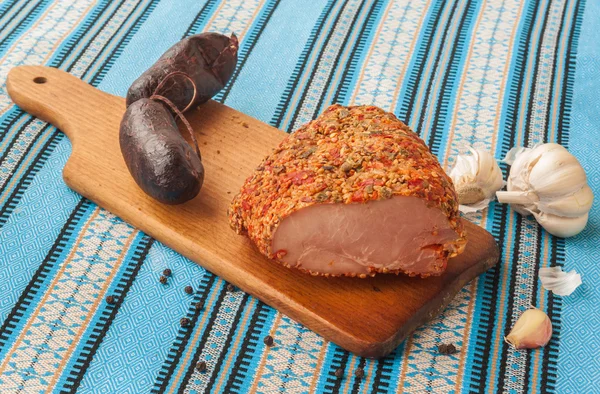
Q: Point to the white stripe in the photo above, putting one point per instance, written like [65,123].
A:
[541,96]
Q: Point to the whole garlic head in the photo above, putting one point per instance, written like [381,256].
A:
[548,182]
[476,178]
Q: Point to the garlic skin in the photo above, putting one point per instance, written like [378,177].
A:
[476,178]
[533,329]
[548,182]
[559,282]
[561,226]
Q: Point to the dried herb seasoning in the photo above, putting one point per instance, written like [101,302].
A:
[357,155]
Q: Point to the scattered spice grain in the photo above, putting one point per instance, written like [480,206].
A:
[360,373]
[447,348]
[111,300]
[189,290]
[167,272]
[201,366]
[230,287]
[163,279]
[268,340]
[184,322]
[339,373]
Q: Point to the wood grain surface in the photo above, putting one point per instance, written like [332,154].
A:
[368,317]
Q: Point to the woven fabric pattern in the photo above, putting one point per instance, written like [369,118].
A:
[489,73]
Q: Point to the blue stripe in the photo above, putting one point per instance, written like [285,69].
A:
[100,323]
[45,273]
[281,60]
[359,53]
[141,52]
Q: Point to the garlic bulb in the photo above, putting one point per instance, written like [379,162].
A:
[533,329]
[476,178]
[548,182]
[559,282]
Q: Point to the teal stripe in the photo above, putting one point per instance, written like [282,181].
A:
[360,50]
[422,49]
[171,21]
[146,324]
[119,39]
[252,357]
[99,321]
[54,258]
[79,49]
[279,60]
[343,57]
[577,369]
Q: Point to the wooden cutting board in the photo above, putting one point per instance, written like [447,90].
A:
[369,317]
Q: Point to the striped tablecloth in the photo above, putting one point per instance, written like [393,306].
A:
[489,73]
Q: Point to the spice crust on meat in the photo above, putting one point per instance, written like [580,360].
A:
[348,155]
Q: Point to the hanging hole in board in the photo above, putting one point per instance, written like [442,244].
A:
[39,80]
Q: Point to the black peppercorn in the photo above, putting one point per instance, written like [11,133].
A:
[188,289]
[201,366]
[111,300]
[230,287]
[167,272]
[199,306]
[184,322]
[163,280]
[339,373]
[451,349]
[447,348]
[360,373]
[268,340]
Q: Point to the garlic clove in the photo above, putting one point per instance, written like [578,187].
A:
[557,173]
[574,205]
[519,170]
[513,153]
[476,178]
[561,226]
[489,175]
[533,329]
[464,167]
[559,282]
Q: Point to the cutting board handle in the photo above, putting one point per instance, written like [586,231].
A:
[35,90]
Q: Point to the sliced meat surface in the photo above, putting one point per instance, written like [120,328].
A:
[398,234]
[354,192]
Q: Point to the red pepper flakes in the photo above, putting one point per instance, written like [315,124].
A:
[349,162]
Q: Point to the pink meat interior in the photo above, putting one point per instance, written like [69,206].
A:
[398,233]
